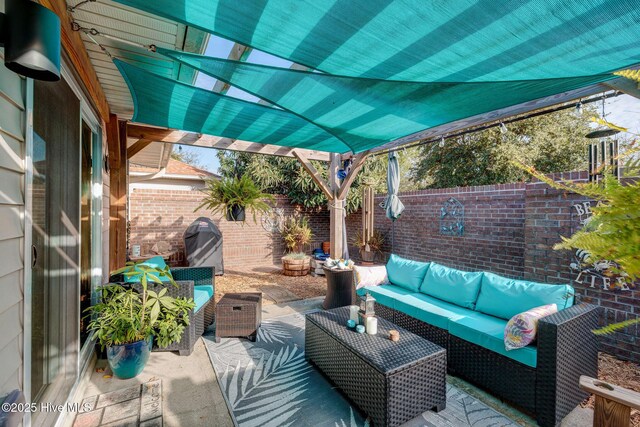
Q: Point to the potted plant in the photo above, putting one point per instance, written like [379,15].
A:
[232,197]
[296,234]
[368,250]
[126,321]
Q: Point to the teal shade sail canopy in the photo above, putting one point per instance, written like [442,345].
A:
[426,40]
[161,101]
[365,113]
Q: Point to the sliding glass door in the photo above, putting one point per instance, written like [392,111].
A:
[56,207]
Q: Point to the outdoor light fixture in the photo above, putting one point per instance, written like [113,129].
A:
[503,128]
[441,142]
[30,35]
[579,109]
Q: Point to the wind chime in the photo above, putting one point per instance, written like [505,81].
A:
[603,151]
[367,222]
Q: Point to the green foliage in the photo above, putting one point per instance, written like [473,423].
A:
[124,315]
[375,242]
[296,233]
[222,195]
[281,175]
[615,327]
[551,143]
[613,231]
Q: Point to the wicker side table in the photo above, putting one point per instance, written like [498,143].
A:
[392,382]
[239,315]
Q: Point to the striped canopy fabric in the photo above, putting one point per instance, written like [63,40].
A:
[381,69]
[365,113]
[426,40]
[164,102]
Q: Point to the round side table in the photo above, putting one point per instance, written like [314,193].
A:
[340,289]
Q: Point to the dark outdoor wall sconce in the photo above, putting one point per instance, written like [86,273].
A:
[30,34]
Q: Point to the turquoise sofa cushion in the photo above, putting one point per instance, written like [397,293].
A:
[430,310]
[488,332]
[504,298]
[451,285]
[201,294]
[387,295]
[156,261]
[406,273]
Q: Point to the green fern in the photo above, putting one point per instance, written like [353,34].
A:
[615,327]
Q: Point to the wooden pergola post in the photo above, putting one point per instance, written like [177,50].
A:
[336,193]
[336,208]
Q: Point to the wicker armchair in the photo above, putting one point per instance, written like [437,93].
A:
[566,350]
[186,278]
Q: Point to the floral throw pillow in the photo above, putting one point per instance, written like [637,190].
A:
[521,330]
[370,276]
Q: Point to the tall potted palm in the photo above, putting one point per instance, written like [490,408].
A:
[126,321]
[232,197]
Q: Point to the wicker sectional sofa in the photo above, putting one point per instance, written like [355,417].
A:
[467,312]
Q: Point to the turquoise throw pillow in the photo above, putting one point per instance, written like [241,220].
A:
[504,298]
[406,273]
[156,261]
[451,285]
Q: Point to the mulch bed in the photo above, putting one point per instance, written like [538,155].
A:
[612,370]
[251,280]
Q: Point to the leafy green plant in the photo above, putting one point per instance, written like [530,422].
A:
[296,233]
[222,195]
[125,315]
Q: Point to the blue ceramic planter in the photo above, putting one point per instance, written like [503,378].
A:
[128,360]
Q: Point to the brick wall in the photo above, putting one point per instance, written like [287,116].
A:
[493,238]
[510,229]
[156,215]
[549,215]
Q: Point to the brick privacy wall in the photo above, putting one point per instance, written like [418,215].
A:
[550,215]
[493,238]
[164,215]
[510,229]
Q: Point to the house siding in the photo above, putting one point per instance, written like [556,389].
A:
[12,197]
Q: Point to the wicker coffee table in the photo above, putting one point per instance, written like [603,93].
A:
[239,315]
[393,382]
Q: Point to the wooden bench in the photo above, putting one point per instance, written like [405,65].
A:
[613,404]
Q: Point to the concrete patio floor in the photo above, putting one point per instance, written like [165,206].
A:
[191,395]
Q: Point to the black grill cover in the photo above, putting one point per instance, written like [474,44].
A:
[203,245]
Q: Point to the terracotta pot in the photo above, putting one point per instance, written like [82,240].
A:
[296,267]
[326,246]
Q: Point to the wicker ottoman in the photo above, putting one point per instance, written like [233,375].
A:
[239,315]
[393,382]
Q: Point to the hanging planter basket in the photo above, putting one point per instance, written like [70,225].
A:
[235,213]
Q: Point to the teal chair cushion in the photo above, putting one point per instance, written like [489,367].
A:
[406,273]
[504,298]
[430,310]
[387,295]
[451,285]
[202,294]
[488,332]
[156,261]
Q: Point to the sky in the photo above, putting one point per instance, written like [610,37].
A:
[623,110]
